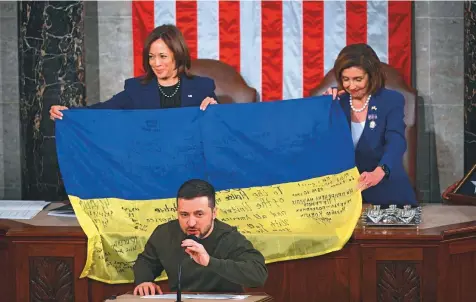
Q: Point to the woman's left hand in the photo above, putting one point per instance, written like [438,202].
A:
[370,179]
[207,101]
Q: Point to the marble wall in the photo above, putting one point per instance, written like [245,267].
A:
[470,85]
[10,172]
[109,58]
[52,72]
[439,64]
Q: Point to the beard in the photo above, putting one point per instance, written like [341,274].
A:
[203,233]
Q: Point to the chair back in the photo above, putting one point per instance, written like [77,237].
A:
[230,85]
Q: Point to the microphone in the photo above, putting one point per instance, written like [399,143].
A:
[179,276]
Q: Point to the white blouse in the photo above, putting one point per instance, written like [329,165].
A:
[357,129]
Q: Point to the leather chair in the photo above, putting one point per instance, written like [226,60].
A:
[230,85]
[395,81]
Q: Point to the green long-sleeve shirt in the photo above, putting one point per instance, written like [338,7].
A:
[234,262]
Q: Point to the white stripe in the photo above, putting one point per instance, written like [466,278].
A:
[208,30]
[250,43]
[334,31]
[292,50]
[377,28]
[164,12]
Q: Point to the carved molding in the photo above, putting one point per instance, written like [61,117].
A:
[398,281]
[51,279]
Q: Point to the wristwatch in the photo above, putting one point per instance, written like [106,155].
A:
[385,169]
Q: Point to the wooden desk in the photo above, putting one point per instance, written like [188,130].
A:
[436,262]
[253,298]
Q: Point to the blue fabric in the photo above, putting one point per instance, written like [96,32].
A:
[148,154]
[384,143]
[139,96]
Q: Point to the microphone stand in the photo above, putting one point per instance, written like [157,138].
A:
[179,276]
[179,287]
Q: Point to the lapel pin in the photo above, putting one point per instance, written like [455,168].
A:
[372,124]
[189,95]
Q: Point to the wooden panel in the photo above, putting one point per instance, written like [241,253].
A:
[398,281]
[429,275]
[462,269]
[325,278]
[463,246]
[7,281]
[392,274]
[51,279]
[49,259]
[399,253]
[100,291]
[369,272]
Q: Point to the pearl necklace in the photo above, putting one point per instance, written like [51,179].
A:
[175,92]
[361,109]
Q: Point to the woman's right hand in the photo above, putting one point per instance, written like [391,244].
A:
[55,112]
[334,92]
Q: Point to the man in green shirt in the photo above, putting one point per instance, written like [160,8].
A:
[221,260]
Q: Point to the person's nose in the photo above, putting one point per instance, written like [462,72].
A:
[191,222]
[157,62]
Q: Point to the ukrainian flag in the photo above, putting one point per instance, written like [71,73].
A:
[284,173]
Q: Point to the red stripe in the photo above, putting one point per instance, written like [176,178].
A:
[142,25]
[186,21]
[400,37]
[229,20]
[313,44]
[272,50]
[356,22]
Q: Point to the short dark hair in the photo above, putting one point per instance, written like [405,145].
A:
[363,56]
[194,188]
[175,41]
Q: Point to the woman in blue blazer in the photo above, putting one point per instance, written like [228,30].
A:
[167,82]
[375,116]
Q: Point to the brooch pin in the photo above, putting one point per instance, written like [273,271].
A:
[374,108]
[372,117]
[372,124]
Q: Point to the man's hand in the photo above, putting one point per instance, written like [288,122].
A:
[207,101]
[333,91]
[147,288]
[196,251]
[55,112]
[370,179]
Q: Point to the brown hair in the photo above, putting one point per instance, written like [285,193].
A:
[363,56]
[175,41]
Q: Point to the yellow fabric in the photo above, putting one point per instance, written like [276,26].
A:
[284,222]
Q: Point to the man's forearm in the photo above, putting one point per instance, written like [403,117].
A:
[143,271]
[248,273]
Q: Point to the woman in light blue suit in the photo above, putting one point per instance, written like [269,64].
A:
[375,116]
[167,82]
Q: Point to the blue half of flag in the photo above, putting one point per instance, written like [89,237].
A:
[148,154]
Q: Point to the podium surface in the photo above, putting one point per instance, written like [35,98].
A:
[42,259]
[250,298]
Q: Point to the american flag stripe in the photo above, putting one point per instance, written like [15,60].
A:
[281,48]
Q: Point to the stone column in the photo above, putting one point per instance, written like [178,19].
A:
[51,36]
[10,176]
[469,85]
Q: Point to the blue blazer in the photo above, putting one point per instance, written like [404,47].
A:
[138,96]
[383,142]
